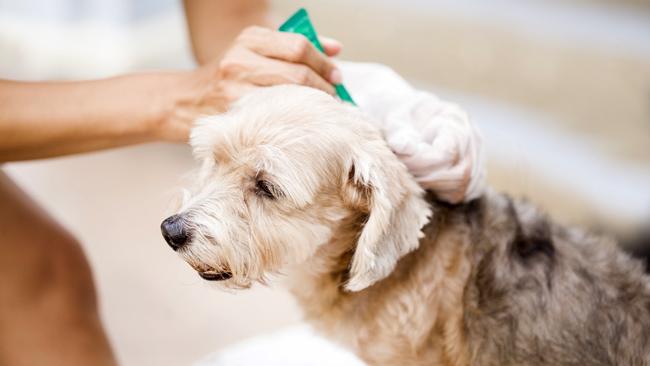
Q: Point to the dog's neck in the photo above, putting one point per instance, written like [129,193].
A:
[414,316]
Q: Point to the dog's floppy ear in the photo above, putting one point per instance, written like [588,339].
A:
[380,184]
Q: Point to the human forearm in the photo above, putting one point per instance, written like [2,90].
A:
[213,24]
[44,119]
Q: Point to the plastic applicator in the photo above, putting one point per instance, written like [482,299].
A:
[299,23]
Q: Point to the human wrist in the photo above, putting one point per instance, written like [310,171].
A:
[183,97]
[165,91]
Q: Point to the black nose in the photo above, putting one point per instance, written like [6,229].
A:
[174,232]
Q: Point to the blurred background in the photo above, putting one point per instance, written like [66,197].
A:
[559,88]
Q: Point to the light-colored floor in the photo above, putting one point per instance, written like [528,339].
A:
[565,120]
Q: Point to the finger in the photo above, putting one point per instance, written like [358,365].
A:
[268,72]
[428,159]
[331,46]
[446,150]
[453,197]
[449,185]
[290,47]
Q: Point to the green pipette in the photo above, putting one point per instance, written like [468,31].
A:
[299,23]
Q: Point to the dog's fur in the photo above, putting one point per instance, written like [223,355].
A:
[293,181]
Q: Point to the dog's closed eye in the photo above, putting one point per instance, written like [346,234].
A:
[264,188]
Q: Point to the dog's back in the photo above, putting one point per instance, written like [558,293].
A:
[495,282]
[544,294]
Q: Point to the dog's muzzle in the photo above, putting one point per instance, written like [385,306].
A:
[177,236]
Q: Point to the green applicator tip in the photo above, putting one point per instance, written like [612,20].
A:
[299,23]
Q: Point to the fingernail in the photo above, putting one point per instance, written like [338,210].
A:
[335,77]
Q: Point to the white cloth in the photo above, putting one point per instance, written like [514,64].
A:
[434,139]
[295,346]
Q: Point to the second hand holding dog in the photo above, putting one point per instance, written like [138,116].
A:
[434,139]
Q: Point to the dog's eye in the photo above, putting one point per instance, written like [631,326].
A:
[264,188]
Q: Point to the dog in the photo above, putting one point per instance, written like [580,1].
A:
[293,182]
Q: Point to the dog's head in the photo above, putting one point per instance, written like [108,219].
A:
[279,172]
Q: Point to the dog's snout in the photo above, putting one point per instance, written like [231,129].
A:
[174,231]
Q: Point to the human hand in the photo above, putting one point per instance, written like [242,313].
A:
[439,146]
[434,139]
[258,57]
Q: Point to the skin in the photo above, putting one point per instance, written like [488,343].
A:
[48,308]
[76,117]
[48,305]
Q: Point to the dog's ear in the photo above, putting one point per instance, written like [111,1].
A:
[380,185]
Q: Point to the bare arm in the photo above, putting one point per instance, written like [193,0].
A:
[214,24]
[44,119]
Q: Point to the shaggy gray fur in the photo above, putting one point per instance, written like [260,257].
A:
[544,294]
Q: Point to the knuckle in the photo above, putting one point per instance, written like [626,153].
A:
[303,75]
[230,93]
[249,34]
[252,30]
[300,49]
[452,153]
[228,66]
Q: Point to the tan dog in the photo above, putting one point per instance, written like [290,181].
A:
[292,181]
